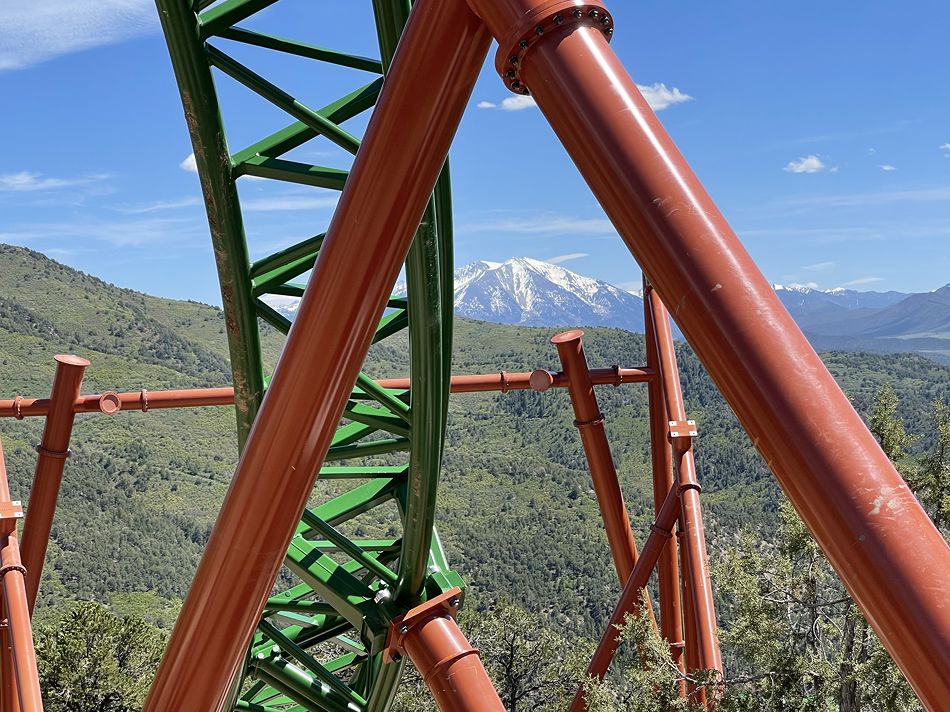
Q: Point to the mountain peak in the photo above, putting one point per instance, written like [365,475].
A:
[532,292]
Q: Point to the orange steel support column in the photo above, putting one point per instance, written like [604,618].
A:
[590,424]
[693,538]
[889,555]
[661,454]
[406,142]
[660,534]
[53,451]
[22,674]
[446,661]
[690,633]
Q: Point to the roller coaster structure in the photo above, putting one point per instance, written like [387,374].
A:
[237,644]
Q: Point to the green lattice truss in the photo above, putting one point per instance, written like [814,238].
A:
[318,645]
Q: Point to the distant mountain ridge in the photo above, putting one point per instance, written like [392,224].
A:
[529,292]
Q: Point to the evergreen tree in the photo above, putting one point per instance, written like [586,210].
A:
[91,660]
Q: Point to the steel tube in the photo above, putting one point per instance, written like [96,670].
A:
[21,679]
[660,534]
[889,555]
[146,400]
[450,666]
[691,636]
[9,696]
[53,451]
[402,153]
[661,457]
[503,381]
[693,538]
[17,610]
[110,403]
[590,424]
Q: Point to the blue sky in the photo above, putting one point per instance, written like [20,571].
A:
[822,130]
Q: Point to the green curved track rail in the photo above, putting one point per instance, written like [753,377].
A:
[318,645]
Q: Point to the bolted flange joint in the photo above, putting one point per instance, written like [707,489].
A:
[547,18]
[447,603]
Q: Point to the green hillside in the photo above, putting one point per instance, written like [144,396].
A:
[517,511]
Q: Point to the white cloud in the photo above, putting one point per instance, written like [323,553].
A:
[136,232]
[805,164]
[283,203]
[517,103]
[41,30]
[659,97]
[820,266]
[189,164]
[862,280]
[887,167]
[566,258]
[918,195]
[27,181]
[542,224]
[945,147]
[159,205]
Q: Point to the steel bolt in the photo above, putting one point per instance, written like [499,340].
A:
[516,85]
[558,19]
[454,603]
[609,31]
[539,30]
[511,74]
[593,14]
[577,13]
[523,44]
[513,60]
[403,629]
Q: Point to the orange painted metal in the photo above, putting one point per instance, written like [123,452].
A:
[692,536]
[660,534]
[18,655]
[145,400]
[53,451]
[590,423]
[110,402]
[889,555]
[539,380]
[661,455]
[448,664]
[421,103]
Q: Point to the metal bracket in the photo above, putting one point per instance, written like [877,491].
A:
[447,603]
[683,429]
[10,513]
[548,17]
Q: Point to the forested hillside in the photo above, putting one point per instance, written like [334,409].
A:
[517,511]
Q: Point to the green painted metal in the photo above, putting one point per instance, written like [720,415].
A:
[199,99]
[387,452]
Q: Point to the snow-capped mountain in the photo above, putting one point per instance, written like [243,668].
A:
[811,307]
[530,292]
[534,293]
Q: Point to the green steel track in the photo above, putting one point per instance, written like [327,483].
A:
[318,645]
